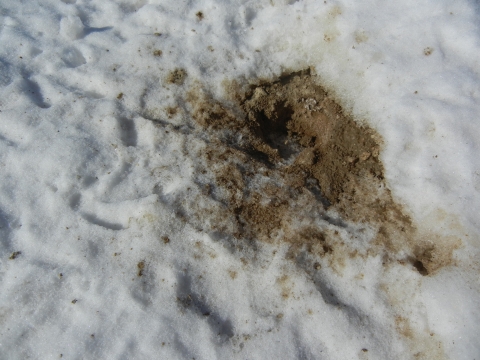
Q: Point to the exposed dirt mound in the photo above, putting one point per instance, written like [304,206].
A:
[290,166]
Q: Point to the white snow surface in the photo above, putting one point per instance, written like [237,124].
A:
[80,169]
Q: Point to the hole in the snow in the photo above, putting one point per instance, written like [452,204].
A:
[420,267]
[272,127]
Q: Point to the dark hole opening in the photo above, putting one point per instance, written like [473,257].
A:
[420,267]
[273,129]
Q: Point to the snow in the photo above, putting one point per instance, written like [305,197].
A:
[82,159]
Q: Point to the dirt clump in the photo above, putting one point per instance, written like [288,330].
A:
[171,111]
[336,149]
[14,255]
[141,268]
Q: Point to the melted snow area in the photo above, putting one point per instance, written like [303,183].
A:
[239,179]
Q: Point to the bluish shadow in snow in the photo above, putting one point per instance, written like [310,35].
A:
[181,348]
[93,219]
[250,15]
[7,141]
[128,132]
[355,315]
[226,239]
[334,221]
[196,303]
[120,175]
[88,180]
[130,349]
[313,186]
[34,92]
[301,349]
[5,234]
[326,291]
[88,30]
[6,73]
[74,201]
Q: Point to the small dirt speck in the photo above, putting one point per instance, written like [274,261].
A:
[360,37]
[15,254]
[428,51]
[141,268]
[157,53]
[171,111]
[120,96]
[200,16]
[165,239]
[74,301]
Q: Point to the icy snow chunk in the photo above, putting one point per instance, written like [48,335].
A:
[73,57]
[72,28]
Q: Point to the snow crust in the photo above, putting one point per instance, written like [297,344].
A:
[82,89]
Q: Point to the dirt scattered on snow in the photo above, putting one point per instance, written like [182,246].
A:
[177,76]
[289,165]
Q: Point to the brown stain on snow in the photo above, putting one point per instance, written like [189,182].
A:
[284,154]
[176,76]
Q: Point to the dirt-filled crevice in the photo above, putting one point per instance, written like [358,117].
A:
[283,162]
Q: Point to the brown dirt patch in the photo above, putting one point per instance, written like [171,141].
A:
[289,165]
[177,76]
